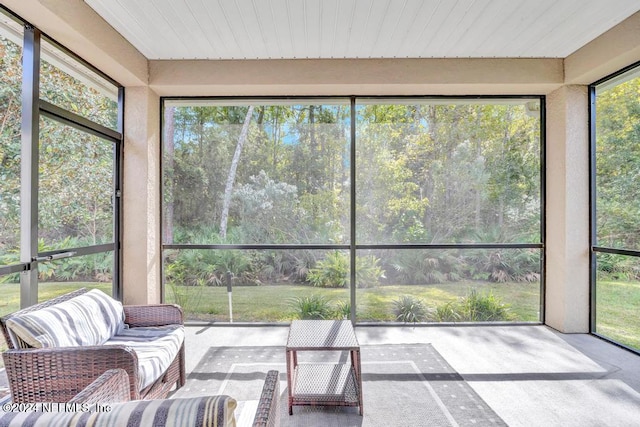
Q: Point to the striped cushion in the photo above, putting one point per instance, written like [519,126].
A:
[196,412]
[88,319]
[156,347]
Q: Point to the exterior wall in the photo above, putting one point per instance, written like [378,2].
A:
[567,216]
[612,51]
[141,198]
[330,77]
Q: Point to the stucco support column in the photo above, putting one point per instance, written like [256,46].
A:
[141,198]
[567,218]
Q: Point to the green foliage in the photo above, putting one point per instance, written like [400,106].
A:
[342,309]
[311,307]
[427,267]
[368,271]
[331,272]
[91,268]
[76,171]
[316,306]
[190,267]
[409,309]
[266,210]
[505,265]
[10,142]
[436,173]
[97,267]
[303,264]
[474,307]
[484,308]
[447,312]
[618,165]
[502,265]
[441,172]
[617,267]
[208,267]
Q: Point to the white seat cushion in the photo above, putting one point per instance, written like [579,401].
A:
[156,347]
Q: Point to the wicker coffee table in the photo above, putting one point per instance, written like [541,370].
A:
[323,384]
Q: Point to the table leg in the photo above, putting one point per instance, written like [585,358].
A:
[290,355]
[355,363]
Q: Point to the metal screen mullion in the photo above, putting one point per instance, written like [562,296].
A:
[29,185]
[79,122]
[593,238]
[543,207]
[117,290]
[352,211]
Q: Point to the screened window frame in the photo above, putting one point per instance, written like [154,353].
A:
[353,247]
[33,107]
[595,248]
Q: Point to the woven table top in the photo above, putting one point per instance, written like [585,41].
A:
[322,335]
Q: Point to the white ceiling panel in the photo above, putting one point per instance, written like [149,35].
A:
[272,29]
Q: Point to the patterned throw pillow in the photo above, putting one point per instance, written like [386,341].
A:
[206,411]
[88,319]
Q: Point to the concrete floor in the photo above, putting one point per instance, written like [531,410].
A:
[529,375]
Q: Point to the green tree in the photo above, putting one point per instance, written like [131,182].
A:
[618,165]
[10,107]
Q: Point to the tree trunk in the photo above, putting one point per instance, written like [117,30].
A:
[505,140]
[228,189]
[478,188]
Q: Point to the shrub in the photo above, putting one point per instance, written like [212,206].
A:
[503,265]
[409,309]
[484,307]
[368,271]
[617,267]
[190,267]
[311,307]
[284,266]
[96,267]
[447,312]
[304,262]
[342,310]
[331,272]
[427,267]
[474,307]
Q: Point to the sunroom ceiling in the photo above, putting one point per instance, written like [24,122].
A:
[294,29]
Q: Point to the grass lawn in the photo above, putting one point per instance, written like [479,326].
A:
[618,311]
[274,303]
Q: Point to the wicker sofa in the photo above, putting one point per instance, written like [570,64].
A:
[106,402]
[58,347]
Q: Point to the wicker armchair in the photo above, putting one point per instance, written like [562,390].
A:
[110,387]
[268,412]
[58,374]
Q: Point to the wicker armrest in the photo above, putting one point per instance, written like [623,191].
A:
[110,387]
[153,315]
[59,374]
[268,412]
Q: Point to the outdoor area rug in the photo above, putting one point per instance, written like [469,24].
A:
[403,385]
